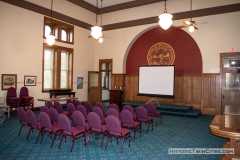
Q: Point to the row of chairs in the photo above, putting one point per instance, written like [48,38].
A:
[24,100]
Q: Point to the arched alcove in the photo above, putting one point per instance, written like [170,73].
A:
[188,57]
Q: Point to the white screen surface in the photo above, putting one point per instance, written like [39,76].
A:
[156,81]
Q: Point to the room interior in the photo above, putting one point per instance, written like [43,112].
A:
[130,29]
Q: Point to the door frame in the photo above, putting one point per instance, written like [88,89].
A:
[225,55]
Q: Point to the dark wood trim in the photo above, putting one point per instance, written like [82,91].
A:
[176,16]
[144,21]
[113,8]
[47,12]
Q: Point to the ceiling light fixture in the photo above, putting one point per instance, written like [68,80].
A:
[165,19]
[96,30]
[50,39]
[191,27]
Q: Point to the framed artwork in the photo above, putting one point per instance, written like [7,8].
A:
[79,82]
[9,80]
[30,80]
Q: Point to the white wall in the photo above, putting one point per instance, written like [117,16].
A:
[21,46]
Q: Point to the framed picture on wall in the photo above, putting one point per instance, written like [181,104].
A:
[79,82]
[30,80]
[9,80]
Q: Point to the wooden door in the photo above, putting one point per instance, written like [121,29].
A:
[94,90]
[230,76]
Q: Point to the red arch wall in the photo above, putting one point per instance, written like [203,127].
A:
[188,57]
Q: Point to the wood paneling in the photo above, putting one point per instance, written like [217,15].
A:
[198,90]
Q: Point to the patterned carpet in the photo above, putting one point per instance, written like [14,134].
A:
[175,132]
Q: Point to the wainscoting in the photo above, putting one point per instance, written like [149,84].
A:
[202,91]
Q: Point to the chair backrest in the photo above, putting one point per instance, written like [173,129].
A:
[23,92]
[45,120]
[78,119]
[128,107]
[11,92]
[44,109]
[114,112]
[49,104]
[126,117]
[88,106]
[70,108]
[82,109]
[31,118]
[53,115]
[113,105]
[76,103]
[69,101]
[113,125]
[99,112]
[151,108]
[141,112]
[101,106]
[58,107]
[64,123]
[94,121]
[21,114]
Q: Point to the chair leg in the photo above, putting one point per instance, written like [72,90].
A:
[156,120]
[134,134]
[30,129]
[42,137]
[73,142]
[53,140]
[140,130]
[103,135]
[40,132]
[152,124]
[122,145]
[20,130]
[60,141]
[107,142]
[148,127]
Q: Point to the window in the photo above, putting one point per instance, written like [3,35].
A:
[62,31]
[57,68]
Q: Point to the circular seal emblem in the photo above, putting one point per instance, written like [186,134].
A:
[161,54]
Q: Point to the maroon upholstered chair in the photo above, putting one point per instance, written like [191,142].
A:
[95,126]
[82,109]
[26,100]
[99,113]
[70,108]
[44,109]
[79,120]
[76,103]
[53,115]
[33,123]
[128,107]
[142,116]
[152,111]
[101,106]
[127,121]
[49,104]
[59,108]
[114,112]
[69,101]
[12,100]
[113,105]
[88,106]
[22,118]
[67,130]
[114,129]
[48,127]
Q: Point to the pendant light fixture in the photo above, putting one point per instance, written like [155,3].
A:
[50,39]
[165,19]
[96,30]
[191,27]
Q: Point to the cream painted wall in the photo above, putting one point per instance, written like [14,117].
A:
[21,46]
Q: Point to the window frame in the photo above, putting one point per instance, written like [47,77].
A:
[57,27]
[57,67]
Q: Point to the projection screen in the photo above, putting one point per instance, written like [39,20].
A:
[156,81]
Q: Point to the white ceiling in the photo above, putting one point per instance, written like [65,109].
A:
[106,3]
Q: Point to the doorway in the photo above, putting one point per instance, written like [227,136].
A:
[105,71]
[230,76]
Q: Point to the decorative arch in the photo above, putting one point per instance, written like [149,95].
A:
[188,58]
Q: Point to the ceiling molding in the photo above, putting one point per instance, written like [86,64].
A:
[39,9]
[113,8]
[176,16]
